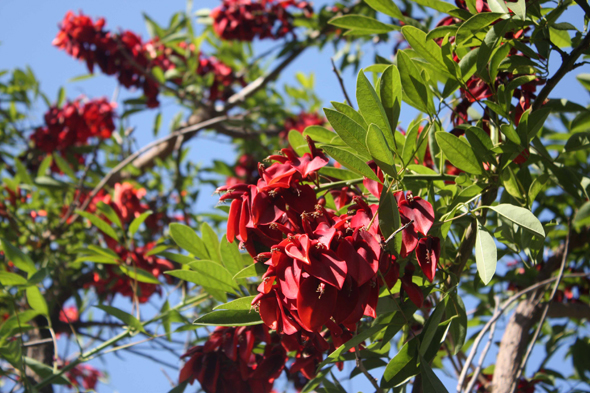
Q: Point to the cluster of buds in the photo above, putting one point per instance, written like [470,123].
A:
[130,59]
[227,363]
[324,269]
[244,20]
[73,125]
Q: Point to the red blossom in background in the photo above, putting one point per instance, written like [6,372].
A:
[224,77]
[73,125]
[245,20]
[83,375]
[227,364]
[69,314]
[301,121]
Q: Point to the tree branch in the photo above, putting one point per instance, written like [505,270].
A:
[341,83]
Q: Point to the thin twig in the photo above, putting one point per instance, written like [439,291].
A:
[361,366]
[398,231]
[544,314]
[341,83]
[495,318]
[485,350]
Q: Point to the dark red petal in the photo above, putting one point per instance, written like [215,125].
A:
[233,222]
[413,291]
[427,253]
[328,267]
[315,303]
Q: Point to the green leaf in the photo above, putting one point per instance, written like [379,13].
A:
[350,112]
[9,279]
[37,301]
[362,25]
[254,270]
[187,239]
[390,92]
[137,221]
[322,135]
[456,307]
[371,108]
[582,217]
[211,242]
[458,152]
[243,303]
[430,382]
[431,326]
[438,5]
[387,7]
[510,132]
[16,256]
[229,318]
[519,8]
[417,93]
[64,166]
[353,342]
[351,161]
[139,274]
[109,213]
[474,25]
[498,6]
[22,172]
[402,367]
[380,150]
[350,131]
[578,141]
[44,166]
[180,388]
[44,371]
[486,254]
[520,216]
[298,142]
[207,274]
[389,221]
[100,224]
[427,49]
[159,74]
[230,256]
[157,123]
[124,317]
[61,97]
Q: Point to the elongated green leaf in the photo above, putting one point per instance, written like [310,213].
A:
[578,141]
[498,6]
[36,300]
[243,303]
[124,317]
[350,161]
[100,224]
[207,274]
[229,318]
[390,92]
[474,25]
[520,216]
[350,112]
[11,279]
[371,108]
[410,145]
[427,49]
[230,256]
[16,256]
[109,213]
[417,93]
[402,367]
[350,131]
[137,221]
[44,166]
[64,166]
[22,172]
[359,338]
[362,24]
[187,239]
[456,307]
[139,274]
[298,142]
[458,152]
[44,371]
[582,217]
[389,221]
[211,242]
[380,150]
[254,270]
[430,382]
[322,135]
[431,326]
[387,7]
[438,5]
[486,254]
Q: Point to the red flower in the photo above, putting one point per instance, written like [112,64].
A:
[84,375]
[69,314]
[427,254]
[301,122]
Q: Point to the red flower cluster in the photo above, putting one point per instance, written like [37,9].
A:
[112,280]
[322,268]
[226,363]
[245,20]
[301,122]
[129,58]
[74,124]
[223,77]
[69,314]
[83,375]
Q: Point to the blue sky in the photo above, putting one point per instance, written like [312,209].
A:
[26,31]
